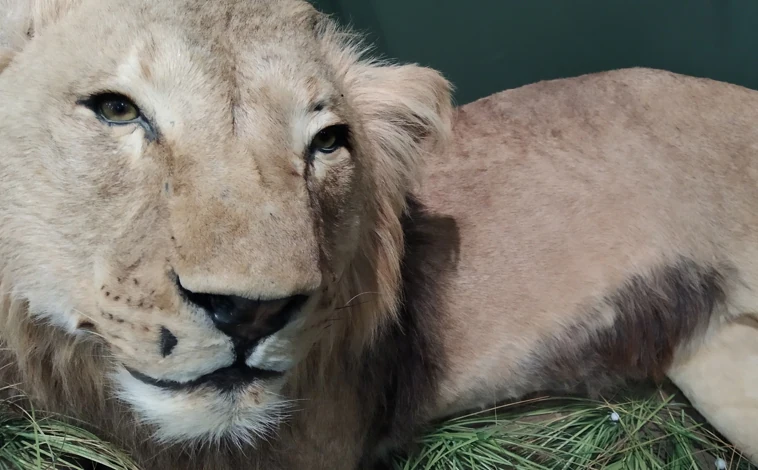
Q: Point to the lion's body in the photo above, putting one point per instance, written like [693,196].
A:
[608,232]
[573,234]
[568,193]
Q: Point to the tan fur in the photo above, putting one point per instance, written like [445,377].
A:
[557,210]
[564,189]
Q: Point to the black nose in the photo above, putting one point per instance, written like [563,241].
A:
[246,318]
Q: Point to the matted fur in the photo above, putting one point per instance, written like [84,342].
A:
[573,234]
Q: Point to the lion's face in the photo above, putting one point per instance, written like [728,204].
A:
[193,182]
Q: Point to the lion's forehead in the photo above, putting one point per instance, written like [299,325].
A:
[258,30]
[259,56]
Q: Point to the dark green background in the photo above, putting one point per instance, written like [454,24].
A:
[484,46]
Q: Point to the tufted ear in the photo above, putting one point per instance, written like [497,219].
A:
[406,111]
[22,20]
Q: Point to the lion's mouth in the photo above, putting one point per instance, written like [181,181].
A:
[226,379]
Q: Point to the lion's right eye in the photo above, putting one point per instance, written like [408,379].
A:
[117,108]
[113,108]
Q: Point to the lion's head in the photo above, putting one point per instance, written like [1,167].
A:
[201,186]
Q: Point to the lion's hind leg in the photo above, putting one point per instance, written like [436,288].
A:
[720,378]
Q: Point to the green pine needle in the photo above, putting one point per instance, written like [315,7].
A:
[32,442]
[650,433]
[654,432]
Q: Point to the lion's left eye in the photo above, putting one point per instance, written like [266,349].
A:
[329,139]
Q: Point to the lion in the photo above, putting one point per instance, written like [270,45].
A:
[232,239]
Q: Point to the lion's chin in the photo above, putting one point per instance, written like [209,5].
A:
[205,414]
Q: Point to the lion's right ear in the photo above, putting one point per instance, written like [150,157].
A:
[406,111]
[22,20]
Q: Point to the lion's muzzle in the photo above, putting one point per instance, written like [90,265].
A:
[247,322]
[227,379]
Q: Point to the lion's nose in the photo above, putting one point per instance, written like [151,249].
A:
[246,318]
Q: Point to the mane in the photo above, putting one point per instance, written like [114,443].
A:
[402,369]
[396,147]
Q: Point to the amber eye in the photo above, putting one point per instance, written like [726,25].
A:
[113,108]
[118,109]
[330,139]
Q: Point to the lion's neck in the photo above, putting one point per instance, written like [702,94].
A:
[401,359]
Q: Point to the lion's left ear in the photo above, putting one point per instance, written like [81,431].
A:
[406,111]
